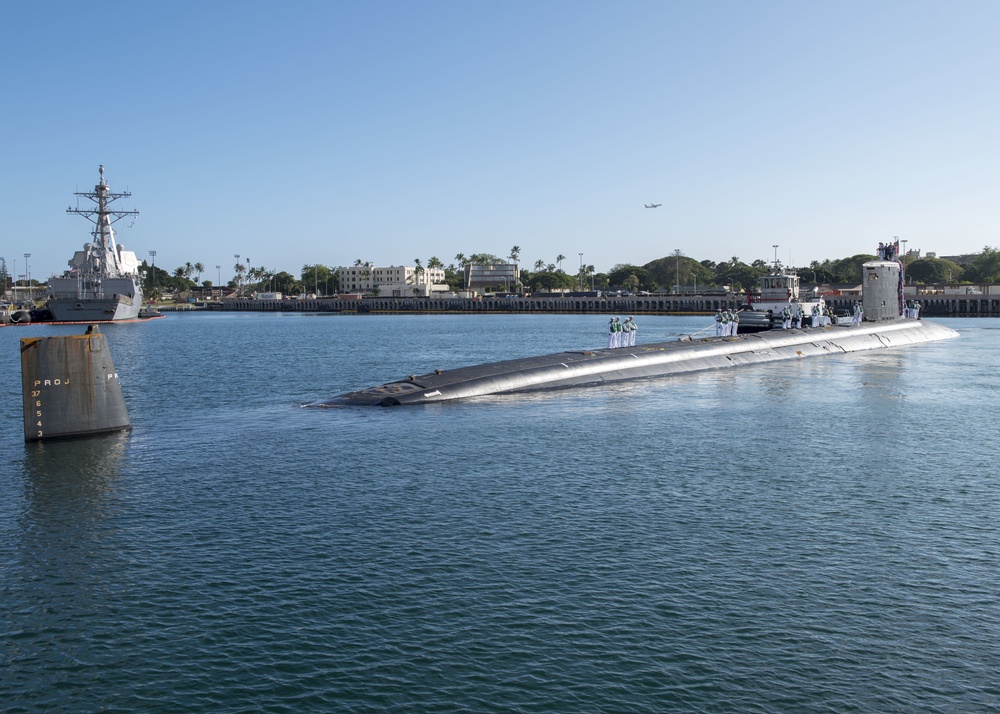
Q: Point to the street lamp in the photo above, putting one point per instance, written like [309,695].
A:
[27,273]
[904,242]
[581,272]
[152,254]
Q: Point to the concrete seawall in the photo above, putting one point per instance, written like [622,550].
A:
[933,306]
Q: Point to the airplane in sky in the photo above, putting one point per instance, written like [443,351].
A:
[652,205]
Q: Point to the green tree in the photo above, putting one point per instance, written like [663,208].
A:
[738,275]
[673,268]
[985,267]
[286,283]
[318,278]
[621,272]
[544,281]
[933,270]
[848,270]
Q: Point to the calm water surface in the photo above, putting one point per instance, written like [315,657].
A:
[816,536]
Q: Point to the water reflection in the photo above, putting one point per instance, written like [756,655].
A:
[70,497]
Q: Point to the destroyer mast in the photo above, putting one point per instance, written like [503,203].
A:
[105,261]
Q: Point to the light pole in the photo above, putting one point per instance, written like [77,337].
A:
[904,242]
[581,272]
[27,273]
[677,269]
[218,269]
[152,254]
[775,253]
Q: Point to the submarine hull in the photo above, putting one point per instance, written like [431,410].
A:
[590,367]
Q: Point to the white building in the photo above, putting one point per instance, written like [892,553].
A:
[393,281]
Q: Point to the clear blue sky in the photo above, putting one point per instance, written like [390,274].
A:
[302,132]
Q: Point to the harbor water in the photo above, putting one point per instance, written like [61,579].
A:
[820,535]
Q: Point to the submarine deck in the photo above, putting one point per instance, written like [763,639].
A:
[591,367]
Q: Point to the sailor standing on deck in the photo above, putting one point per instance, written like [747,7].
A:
[735,323]
[632,329]
[786,317]
[718,324]
[611,333]
[856,316]
[618,332]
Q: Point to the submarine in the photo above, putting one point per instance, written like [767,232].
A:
[884,327]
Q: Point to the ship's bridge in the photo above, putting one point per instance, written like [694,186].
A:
[779,286]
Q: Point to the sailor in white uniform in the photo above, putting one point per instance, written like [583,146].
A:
[611,333]
[632,329]
[718,324]
[856,316]
[735,324]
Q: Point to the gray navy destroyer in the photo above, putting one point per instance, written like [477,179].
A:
[104,282]
[883,327]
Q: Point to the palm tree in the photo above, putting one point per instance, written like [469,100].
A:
[461,259]
[539,264]
[188,270]
[434,263]
[199,268]
[559,259]
[419,269]
[515,253]
[239,269]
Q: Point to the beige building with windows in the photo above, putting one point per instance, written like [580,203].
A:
[392,281]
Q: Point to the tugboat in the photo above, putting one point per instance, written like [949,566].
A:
[104,282]
[779,289]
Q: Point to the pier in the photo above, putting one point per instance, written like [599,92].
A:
[932,305]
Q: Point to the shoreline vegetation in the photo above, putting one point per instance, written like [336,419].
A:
[671,274]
